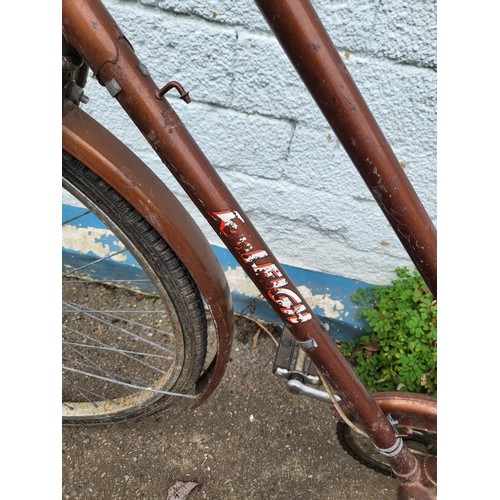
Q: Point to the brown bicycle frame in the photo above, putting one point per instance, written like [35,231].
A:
[91,30]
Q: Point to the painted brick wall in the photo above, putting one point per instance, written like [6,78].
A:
[260,128]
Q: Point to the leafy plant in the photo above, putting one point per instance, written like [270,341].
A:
[400,350]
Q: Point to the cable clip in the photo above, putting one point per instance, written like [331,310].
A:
[394,450]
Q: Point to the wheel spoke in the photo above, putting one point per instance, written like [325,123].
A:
[81,391]
[133,386]
[120,329]
[120,351]
[91,364]
[94,262]
[76,217]
[106,347]
[75,309]
[99,397]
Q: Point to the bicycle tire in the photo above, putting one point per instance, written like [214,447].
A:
[121,351]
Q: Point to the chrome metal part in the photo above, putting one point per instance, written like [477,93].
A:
[75,94]
[113,87]
[307,345]
[143,69]
[394,450]
[71,62]
[297,387]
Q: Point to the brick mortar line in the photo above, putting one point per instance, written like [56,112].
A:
[269,35]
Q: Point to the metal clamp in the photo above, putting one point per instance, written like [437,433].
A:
[143,69]
[308,345]
[113,87]
[394,450]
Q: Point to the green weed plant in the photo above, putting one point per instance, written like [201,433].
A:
[399,353]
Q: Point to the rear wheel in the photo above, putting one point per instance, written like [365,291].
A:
[134,327]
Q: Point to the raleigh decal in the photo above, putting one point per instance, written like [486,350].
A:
[231,225]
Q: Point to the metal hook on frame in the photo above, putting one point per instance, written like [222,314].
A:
[173,85]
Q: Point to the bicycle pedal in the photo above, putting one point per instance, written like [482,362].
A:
[291,361]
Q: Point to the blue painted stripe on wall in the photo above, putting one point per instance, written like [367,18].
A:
[328,295]
[328,288]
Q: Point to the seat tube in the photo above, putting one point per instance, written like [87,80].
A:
[315,58]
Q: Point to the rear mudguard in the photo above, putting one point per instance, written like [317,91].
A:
[93,145]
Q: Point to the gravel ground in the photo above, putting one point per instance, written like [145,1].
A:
[251,440]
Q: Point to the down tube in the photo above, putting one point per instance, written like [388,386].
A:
[92,31]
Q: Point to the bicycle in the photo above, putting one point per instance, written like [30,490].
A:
[175,273]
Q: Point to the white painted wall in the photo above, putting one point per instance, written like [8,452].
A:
[261,130]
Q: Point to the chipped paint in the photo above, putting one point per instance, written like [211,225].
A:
[330,296]
[332,308]
[239,282]
[95,241]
